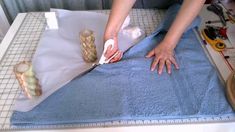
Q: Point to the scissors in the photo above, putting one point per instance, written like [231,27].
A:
[102,58]
[218,10]
[106,45]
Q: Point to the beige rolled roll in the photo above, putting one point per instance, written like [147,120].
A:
[27,80]
[88,48]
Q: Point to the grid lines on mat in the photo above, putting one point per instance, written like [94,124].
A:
[24,45]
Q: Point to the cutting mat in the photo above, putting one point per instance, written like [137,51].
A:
[21,45]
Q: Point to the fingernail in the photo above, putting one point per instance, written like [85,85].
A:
[159,73]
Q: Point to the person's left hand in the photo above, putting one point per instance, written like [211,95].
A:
[164,55]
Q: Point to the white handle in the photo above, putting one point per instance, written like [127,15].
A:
[106,45]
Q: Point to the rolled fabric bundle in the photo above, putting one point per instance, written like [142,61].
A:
[27,80]
[87,41]
[230,89]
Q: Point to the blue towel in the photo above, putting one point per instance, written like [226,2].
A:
[128,90]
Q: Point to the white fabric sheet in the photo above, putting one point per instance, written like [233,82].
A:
[58,57]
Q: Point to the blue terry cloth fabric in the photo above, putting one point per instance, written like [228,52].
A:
[128,90]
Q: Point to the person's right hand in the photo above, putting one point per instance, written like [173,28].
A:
[113,50]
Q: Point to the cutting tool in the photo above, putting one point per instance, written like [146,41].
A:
[216,43]
[231,17]
[218,10]
[103,58]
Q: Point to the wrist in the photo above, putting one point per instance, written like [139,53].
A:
[169,43]
[109,35]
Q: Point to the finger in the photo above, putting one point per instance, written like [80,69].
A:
[117,57]
[121,55]
[154,63]
[150,54]
[175,63]
[110,53]
[161,66]
[168,66]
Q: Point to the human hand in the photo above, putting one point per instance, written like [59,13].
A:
[111,51]
[164,55]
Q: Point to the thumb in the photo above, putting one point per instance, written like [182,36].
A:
[150,54]
[108,52]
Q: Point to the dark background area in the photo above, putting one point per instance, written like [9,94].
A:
[13,7]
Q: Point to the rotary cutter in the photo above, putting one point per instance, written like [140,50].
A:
[210,36]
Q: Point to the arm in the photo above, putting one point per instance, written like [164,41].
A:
[119,12]
[186,15]
[163,53]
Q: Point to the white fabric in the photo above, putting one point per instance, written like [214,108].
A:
[58,57]
[51,20]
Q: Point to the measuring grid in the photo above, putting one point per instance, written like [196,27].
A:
[24,45]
